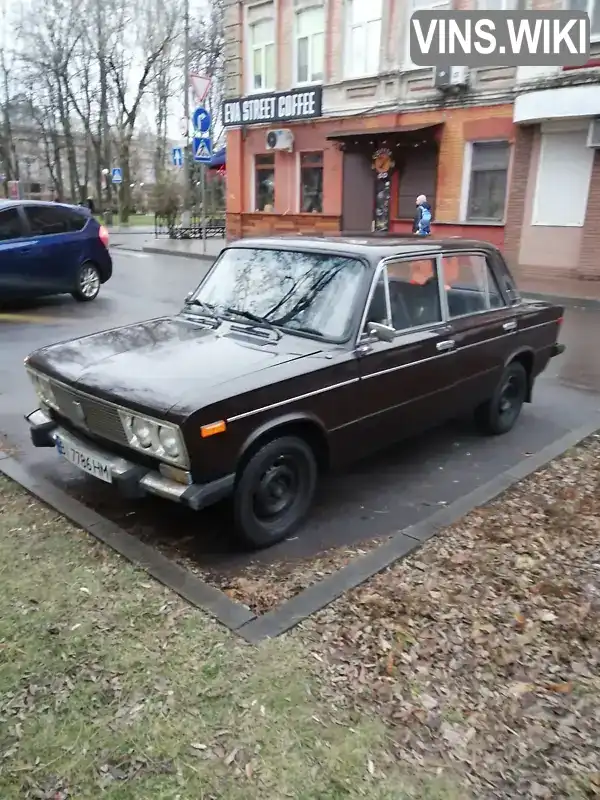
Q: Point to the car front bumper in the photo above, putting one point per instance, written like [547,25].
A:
[133,480]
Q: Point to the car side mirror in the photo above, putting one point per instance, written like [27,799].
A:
[384,333]
[188,297]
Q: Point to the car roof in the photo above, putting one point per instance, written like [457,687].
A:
[4,203]
[374,248]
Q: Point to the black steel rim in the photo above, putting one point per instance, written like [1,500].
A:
[279,487]
[511,397]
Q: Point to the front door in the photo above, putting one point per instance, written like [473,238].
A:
[403,383]
[357,193]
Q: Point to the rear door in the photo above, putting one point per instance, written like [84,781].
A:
[16,261]
[59,244]
[483,326]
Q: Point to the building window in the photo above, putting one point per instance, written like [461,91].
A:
[420,5]
[593,10]
[563,179]
[261,49]
[497,5]
[487,181]
[311,183]
[264,169]
[310,45]
[418,175]
[363,37]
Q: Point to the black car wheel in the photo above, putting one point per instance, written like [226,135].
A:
[499,414]
[275,491]
[88,283]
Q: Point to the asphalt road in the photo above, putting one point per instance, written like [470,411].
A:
[377,497]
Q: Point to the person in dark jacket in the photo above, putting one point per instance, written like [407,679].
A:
[422,220]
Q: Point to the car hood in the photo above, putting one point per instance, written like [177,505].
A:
[153,366]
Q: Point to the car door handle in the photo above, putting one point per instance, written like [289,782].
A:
[448,344]
[510,326]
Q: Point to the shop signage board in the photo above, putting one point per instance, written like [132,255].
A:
[295,105]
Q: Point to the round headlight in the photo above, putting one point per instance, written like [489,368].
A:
[169,441]
[142,431]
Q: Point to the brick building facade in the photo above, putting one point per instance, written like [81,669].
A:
[370,106]
[553,214]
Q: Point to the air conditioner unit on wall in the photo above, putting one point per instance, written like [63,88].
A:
[451,78]
[593,139]
[280,140]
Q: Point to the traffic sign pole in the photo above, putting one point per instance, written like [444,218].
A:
[203,179]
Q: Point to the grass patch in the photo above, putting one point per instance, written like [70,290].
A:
[111,686]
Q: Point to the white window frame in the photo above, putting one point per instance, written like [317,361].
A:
[433,5]
[536,218]
[507,5]
[253,193]
[270,15]
[315,6]
[592,6]
[348,28]
[465,188]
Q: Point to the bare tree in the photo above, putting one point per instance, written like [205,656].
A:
[9,164]
[155,27]
[208,57]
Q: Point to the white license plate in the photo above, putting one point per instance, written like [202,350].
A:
[87,462]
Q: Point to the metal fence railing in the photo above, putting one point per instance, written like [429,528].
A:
[174,227]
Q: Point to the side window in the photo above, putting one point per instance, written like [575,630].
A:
[45,220]
[470,285]
[10,225]
[377,308]
[414,295]
[76,221]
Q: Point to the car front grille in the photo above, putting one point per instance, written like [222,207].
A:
[88,414]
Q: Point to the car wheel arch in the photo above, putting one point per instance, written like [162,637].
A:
[305,425]
[526,357]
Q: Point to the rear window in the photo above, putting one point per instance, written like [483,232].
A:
[10,224]
[47,220]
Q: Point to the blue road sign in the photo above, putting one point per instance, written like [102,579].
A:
[202,149]
[177,156]
[201,120]
[117,175]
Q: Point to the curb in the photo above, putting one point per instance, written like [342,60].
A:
[238,617]
[164,251]
[198,593]
[319,595]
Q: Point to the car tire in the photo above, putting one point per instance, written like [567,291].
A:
[499,414]
[275,491]
[88,283]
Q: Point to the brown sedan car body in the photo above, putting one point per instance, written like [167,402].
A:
[294,354]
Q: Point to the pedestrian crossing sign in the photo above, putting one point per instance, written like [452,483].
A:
[202,147]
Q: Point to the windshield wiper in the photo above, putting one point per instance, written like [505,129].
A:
[253,318]
[304,329]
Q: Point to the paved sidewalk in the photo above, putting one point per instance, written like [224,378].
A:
[188,248]
[571,292]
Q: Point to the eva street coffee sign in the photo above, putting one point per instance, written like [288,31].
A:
[278,107]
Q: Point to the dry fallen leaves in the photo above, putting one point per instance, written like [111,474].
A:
[482,652]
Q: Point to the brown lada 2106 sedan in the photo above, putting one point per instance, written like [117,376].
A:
[292,356]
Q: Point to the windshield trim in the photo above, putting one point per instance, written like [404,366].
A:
[355,315]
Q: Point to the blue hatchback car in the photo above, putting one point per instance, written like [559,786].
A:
[51,248]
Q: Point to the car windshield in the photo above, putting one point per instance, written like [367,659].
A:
[311,293]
